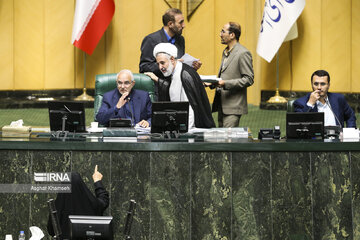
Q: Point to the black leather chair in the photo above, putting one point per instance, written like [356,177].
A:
[107,82]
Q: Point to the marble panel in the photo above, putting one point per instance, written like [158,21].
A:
[291,195]
[130,179]
[84,163]
[251,204]
[331,195]
[14,207]
[211,195]
[46,161]
[355,183]
[169,194]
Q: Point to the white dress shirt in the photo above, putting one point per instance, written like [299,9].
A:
[177,92]
[328,113]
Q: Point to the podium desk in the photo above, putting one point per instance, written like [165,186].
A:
[202,190]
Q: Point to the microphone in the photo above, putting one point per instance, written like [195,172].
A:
[132,113]
[310,108]
[328,103]
[129,219]
[54,218]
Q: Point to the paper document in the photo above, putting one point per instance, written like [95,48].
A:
[119,139]
[188,59]
[95,130]
[141,130]
[210,78]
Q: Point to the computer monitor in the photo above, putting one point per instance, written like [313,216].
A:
[67,116]
[169,116]
[305,125]
[91,227]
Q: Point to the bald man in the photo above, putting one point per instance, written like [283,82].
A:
[125,102]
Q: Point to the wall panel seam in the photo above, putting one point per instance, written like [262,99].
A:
[351,199]
[271,199]
[351,44]
[231,195]
[13,46]
[44,45]
[190,197]
[311,197]
[150,199]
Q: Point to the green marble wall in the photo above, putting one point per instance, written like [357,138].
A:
[355,193]
[202,195]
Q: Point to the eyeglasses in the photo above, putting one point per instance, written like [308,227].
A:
[222,31]
[126,83]
[321,84]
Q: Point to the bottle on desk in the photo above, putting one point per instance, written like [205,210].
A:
[22,235]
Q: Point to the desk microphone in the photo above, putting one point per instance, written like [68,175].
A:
[129,219]
[132,113]
[54,218]
[328,103]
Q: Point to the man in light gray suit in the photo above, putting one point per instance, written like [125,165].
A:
[236,73]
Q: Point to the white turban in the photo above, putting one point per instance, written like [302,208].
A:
[167,48]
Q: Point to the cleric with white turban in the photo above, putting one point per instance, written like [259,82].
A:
[167,48]
[184,85]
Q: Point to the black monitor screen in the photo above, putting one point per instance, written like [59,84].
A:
[169,116]
[73,112]
[305,125]
[91,227]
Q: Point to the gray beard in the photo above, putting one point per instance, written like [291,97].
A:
[169,70]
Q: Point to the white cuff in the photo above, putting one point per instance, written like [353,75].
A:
[309,105]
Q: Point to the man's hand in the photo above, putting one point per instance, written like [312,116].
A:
[197,64]
[144,124]
[152,76]
[221,83]
[206,84]
[97,176]
[314,96]
[122,100]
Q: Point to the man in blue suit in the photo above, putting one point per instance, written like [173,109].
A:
[125,102]
[336,109]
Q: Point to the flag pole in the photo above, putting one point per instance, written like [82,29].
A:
[84,96]
[277,98]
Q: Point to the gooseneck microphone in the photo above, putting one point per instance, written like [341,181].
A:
[129,219]
[54,219]
[328,103]
[132,113]
[310,108]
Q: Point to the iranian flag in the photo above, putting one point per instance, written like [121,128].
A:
[91,19]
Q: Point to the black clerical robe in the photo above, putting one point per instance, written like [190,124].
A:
[80,201]
[196,94]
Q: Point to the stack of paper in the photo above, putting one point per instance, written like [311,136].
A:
[119,135]
[226,134]
[210,78]
[188,59]
[142,130]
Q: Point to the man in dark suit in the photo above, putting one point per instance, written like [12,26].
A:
[125,102]
[237,74]
[336,109]
[174,23]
